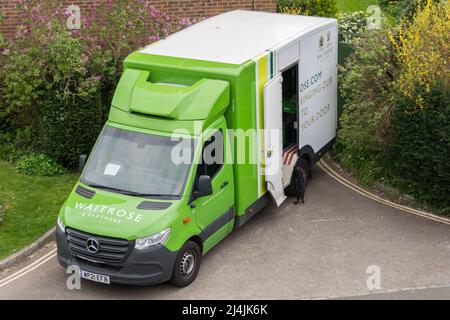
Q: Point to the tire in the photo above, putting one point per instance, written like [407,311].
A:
[303,164]
[186,265]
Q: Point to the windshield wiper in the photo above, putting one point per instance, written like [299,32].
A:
[99,186]
[155,195]
[126,192]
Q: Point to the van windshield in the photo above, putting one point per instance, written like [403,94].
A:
[137,164]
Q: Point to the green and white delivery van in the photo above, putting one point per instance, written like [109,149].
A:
[256,90]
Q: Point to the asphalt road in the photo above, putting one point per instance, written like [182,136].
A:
[318,250]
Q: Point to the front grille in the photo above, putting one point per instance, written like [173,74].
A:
[110,250]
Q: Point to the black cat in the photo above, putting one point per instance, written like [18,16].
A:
[299,184]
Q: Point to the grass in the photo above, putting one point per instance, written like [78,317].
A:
[354,5]
[32,205]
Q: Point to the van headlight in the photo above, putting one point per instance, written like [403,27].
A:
[157,238]
[60,224]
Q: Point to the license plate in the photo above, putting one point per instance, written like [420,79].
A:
[94,277]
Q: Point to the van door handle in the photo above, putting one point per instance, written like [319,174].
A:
[224,184]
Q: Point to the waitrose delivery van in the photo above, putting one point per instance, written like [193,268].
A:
[206,128]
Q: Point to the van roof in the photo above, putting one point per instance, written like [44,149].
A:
[236,36]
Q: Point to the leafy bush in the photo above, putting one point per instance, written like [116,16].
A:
[291,9]
[8,152]
[423,49]
[421,143]
[2,38]
[365,83]
[49,86]
[39,165]
[396,117]
[421,146]
[2,214]
[404,9]
[103,33]
[3,50]
[15,146]
[59,83]
[71,129]
[398,8]
[320,8]
[352,24]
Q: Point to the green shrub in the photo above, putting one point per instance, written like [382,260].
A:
[2,214]
[58,84]
[421,141]
[352,24]
[320,8]
[39,165]
[366,82]
[2,38]
[423,50]
[421,146]
[15,145]
[51,92]
[398,8]
[396,115]
[4,121]
[71,129]
[8,152]
[403,9]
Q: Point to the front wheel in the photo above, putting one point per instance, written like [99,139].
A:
[186,265]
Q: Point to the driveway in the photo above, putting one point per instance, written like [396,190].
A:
[331,247]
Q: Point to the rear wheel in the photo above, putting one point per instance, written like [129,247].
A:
[187,265]
[303,165]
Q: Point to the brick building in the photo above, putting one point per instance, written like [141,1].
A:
[185,8]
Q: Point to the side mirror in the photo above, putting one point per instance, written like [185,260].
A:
[204,187]
[82,162]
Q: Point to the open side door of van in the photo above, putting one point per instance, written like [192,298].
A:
[273,138]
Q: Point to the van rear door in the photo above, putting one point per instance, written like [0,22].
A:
[273,138]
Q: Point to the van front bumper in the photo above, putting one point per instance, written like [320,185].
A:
[141,268]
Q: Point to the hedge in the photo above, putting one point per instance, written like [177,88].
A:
[420,155]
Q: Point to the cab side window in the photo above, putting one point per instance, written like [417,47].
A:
[212,156]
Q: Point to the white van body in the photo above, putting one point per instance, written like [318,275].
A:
[280,41]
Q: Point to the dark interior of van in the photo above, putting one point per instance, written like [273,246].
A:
[290,106]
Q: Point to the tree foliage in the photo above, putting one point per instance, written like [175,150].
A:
[366,82]
[58,83]
[320,8]
[396,118]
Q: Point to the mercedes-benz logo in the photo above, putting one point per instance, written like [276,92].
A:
[92,245]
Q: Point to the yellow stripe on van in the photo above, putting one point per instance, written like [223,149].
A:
[263,76]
